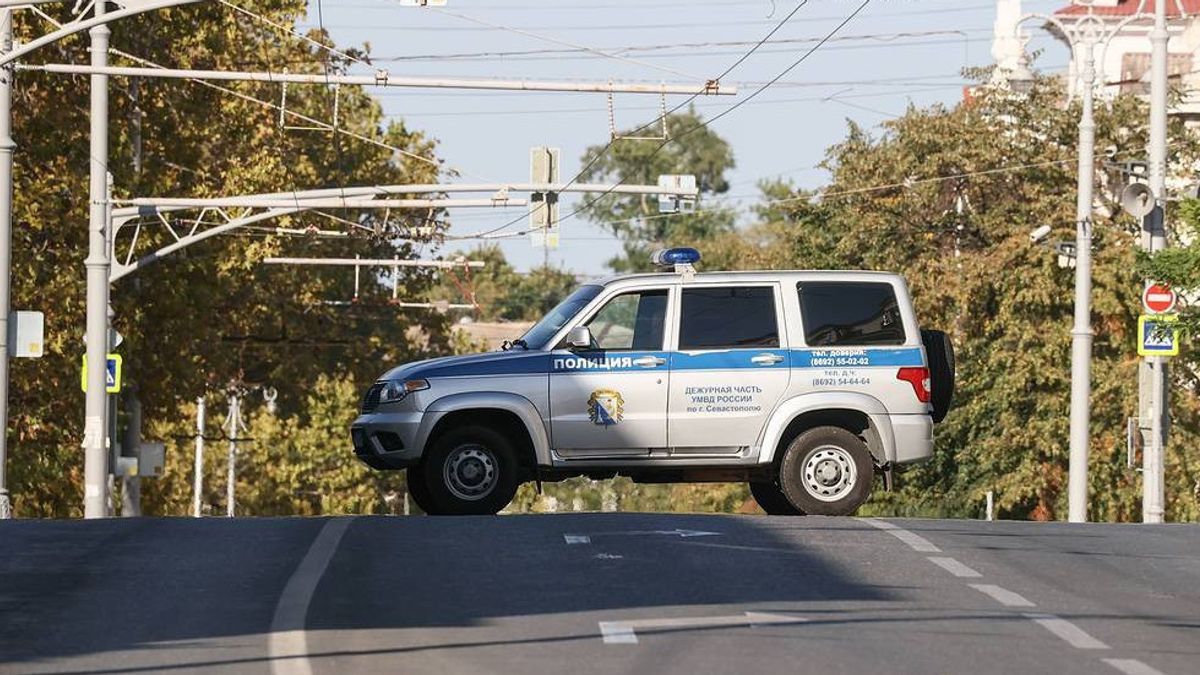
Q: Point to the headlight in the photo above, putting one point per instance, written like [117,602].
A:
[396,390]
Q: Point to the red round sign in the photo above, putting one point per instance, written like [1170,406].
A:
[1158,298]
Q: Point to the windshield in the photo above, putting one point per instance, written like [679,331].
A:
[542,331]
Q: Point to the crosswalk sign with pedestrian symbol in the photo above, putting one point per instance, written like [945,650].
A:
[112,374]
[1158,335]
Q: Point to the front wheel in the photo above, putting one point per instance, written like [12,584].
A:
[419,491]
[470,471]
[827,471]
[772,500]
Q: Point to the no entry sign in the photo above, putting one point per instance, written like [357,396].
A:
[1158,299]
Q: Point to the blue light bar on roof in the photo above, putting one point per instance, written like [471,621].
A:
[670,257]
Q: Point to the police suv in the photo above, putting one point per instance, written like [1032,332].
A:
[804,384]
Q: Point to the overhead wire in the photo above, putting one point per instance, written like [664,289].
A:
[820,195]
[601,109]
[884,38]
[294,33]
[557,41]
[608,146]
[741,102]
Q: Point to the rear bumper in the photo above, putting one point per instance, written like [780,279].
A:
[387,440]
[914,437]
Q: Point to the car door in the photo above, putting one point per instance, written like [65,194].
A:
[730,368]
[611,399]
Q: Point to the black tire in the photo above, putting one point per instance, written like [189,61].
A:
[827,471]
[418,491]
[940,352]
[772,500]
[470,471]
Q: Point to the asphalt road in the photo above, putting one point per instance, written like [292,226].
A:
[598,593]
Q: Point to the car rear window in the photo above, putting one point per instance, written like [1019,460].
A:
[728,318]
[842,313]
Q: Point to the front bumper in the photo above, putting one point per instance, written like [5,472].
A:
[387,440]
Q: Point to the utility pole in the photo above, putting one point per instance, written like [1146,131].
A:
[234,423]
[95,473]
[6,191]
[1084,33]
[1152,371]
[198,476]
[1081,332]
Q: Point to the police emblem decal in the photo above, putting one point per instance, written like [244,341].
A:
[606,407]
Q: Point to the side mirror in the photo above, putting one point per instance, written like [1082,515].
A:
[580,337]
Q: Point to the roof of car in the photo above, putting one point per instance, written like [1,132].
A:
[754,275]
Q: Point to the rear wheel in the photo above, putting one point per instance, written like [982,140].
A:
[470,471]
[772,500]
[827,471]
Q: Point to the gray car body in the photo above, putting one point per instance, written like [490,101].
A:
[547,404]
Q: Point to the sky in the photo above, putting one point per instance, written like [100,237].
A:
[895,53]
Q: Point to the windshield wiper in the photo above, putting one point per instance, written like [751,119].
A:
[509,344]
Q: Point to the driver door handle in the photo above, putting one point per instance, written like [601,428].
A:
[649,361]
[767,359]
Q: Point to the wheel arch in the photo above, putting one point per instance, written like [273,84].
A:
[861,414]
[512,414]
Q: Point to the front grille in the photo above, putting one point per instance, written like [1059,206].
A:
[371,400]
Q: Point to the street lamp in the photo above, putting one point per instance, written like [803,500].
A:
[1085,35]
[1021,78]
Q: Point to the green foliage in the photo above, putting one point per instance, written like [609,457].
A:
[1005,302]
[290,464]
[501,292]
[211,314]
[694,149]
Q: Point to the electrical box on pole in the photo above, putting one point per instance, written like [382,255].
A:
[26,335]
[543,206]
[673,203]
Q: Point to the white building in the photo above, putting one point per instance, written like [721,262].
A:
[1123,67]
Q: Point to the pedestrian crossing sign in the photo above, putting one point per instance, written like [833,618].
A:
[1157,335]
[112,374]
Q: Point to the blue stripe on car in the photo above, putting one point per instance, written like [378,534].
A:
[618,362]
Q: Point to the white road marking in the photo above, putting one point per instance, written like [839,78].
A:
[1003,595]
[954,567]
[608,556]
[915,541]
[287,645]
[1132,667]
[625,632]
[1069,632]
[577,539]
[738,547]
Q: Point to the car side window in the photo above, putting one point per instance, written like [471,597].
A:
[631,321]
[840,313]
[728,318]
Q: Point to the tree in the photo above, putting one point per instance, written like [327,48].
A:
[502,293]
[947,196]
[211,315]
[692,148]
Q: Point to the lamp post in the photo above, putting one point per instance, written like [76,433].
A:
[1086,35]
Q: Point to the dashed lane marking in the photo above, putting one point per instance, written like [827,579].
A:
[577,539]
[287,645]
[625,632]
[954,567]
[1003,595]
[915,541]
[1132,667]
[1067,631]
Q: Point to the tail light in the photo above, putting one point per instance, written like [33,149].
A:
[919,379]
